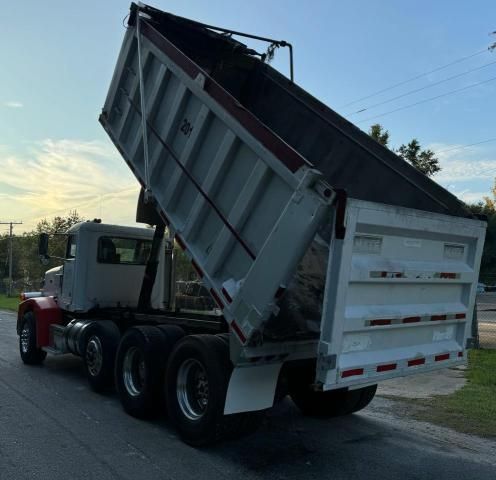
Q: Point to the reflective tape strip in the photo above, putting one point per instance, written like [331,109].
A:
[440,358]
[197,268]
[416,361]
[386,368]
[376,322]
[237,330]
[352,373]
[226,294]
[217,298]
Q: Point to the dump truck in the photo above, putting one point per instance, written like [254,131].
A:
[331,264]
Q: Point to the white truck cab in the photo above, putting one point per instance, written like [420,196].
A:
[104,267]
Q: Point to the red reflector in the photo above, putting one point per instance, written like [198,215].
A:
[416,361]
[411,319]
[447,275]
[226,294]
[438,317]
[460,315]
[460,354]
[180,242]
[352,373]
[216,298]
[380,321]
[444,356]
[197,268]
[386,368]
[238,331]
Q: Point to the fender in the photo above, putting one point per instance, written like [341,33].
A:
[46,312]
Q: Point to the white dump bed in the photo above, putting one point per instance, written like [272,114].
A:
[400,294]
[241,202]
[400,283]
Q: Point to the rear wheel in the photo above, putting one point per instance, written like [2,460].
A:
[30,353]
[197,379]
[140,367]
[332,403]
[100,347]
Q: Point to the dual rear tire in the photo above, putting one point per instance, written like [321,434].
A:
[162,369]
[333,403]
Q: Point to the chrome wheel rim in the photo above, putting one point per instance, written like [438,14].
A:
[134,371]
[25,334]
[94,356]
[192,389]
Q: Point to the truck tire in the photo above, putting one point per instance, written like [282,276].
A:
[333,403]
[197,378]
[101,340]
[140,368]
[30,353]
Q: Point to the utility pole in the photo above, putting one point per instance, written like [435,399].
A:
[11,227]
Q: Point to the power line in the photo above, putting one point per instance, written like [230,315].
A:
[428,99]
[461,147]
[462,59]
[423,88]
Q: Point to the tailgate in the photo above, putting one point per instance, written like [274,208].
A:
[400,292]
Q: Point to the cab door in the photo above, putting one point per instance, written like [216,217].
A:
[69,270]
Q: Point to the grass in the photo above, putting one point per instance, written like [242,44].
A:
[472,409]
[8,303]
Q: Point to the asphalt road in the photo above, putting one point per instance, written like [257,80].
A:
[53,427]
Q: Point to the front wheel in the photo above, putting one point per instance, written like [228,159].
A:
[30,353]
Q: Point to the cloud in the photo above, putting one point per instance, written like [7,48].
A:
[13,104]
[468,173]
[52,177]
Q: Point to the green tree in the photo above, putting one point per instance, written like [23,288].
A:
[379,134]
[423,160]
[27,271]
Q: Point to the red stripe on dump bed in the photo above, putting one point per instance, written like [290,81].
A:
[380,321]
[444,356]
[226,294]
[386,368]
[460,315]
[438,317]
[163,216]
[416,361]
[285,154]
[238,331]
[411,320]
[217,298]
[197,268]
[180,242]
[352,373]
[460,354]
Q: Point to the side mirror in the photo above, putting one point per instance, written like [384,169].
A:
[43,248]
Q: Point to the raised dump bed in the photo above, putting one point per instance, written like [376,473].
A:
[247,170]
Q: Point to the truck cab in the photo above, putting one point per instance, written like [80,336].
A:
[104,266]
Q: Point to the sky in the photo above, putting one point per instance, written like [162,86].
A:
[57,58]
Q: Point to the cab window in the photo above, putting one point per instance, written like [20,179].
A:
[123,251]
[71,247]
